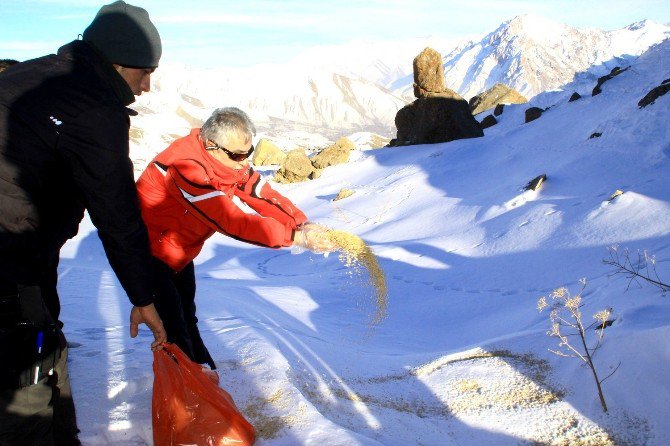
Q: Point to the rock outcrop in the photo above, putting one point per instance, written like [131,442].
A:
[343,193]
[338,153]
[575,96]
[434,120]
[601,80]
[488,121]
[654,94]
[267,154]
[297,167]
[536,183]
[438,114]
[498,94]
[533,113]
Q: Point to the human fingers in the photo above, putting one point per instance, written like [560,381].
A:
[153,321]
[135,320]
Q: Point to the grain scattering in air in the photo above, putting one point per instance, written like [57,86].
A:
[354,253]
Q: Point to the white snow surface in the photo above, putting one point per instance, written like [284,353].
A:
[462,356]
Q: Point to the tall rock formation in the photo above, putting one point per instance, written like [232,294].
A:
[428,73]
[438,114]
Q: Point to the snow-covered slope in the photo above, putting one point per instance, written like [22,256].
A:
[533,54]
[463,354]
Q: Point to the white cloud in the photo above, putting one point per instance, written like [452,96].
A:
[26,46]
[205,19]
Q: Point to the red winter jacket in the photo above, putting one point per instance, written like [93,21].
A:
[186,195]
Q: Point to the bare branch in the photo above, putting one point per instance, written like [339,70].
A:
[644,269]
[613,371]
[559,353]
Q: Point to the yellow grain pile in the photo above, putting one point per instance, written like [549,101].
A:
[354,253]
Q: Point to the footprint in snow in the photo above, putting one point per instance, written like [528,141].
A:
[125,351]
[222,319]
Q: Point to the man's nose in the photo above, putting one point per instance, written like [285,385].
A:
[146,84]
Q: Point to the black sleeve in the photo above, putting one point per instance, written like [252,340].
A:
[96,147]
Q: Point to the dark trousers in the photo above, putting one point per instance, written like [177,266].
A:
[36,406]
[175,303]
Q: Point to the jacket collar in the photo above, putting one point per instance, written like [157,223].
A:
[78,49]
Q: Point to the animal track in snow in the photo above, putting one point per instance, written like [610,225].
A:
[123,352]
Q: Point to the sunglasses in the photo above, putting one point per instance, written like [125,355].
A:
[235,156]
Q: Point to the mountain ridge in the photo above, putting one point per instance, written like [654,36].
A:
[322,95]
[533,54]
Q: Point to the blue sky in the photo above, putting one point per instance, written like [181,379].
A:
[239,33]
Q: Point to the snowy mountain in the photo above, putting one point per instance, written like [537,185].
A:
[463,355]
[335,91]
[285,104]
[321,95]
[379,62]
[532,54]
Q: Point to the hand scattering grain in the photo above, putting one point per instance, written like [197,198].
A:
[354,253]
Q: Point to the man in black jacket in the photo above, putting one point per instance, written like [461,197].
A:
[63,149]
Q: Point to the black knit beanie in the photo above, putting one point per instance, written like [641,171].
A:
[124,34]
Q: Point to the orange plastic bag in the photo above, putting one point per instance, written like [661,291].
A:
[188,408]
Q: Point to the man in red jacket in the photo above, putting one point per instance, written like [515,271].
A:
[195,188]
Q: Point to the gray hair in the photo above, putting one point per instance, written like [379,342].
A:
[226,121]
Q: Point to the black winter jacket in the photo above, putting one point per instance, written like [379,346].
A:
[64,148]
